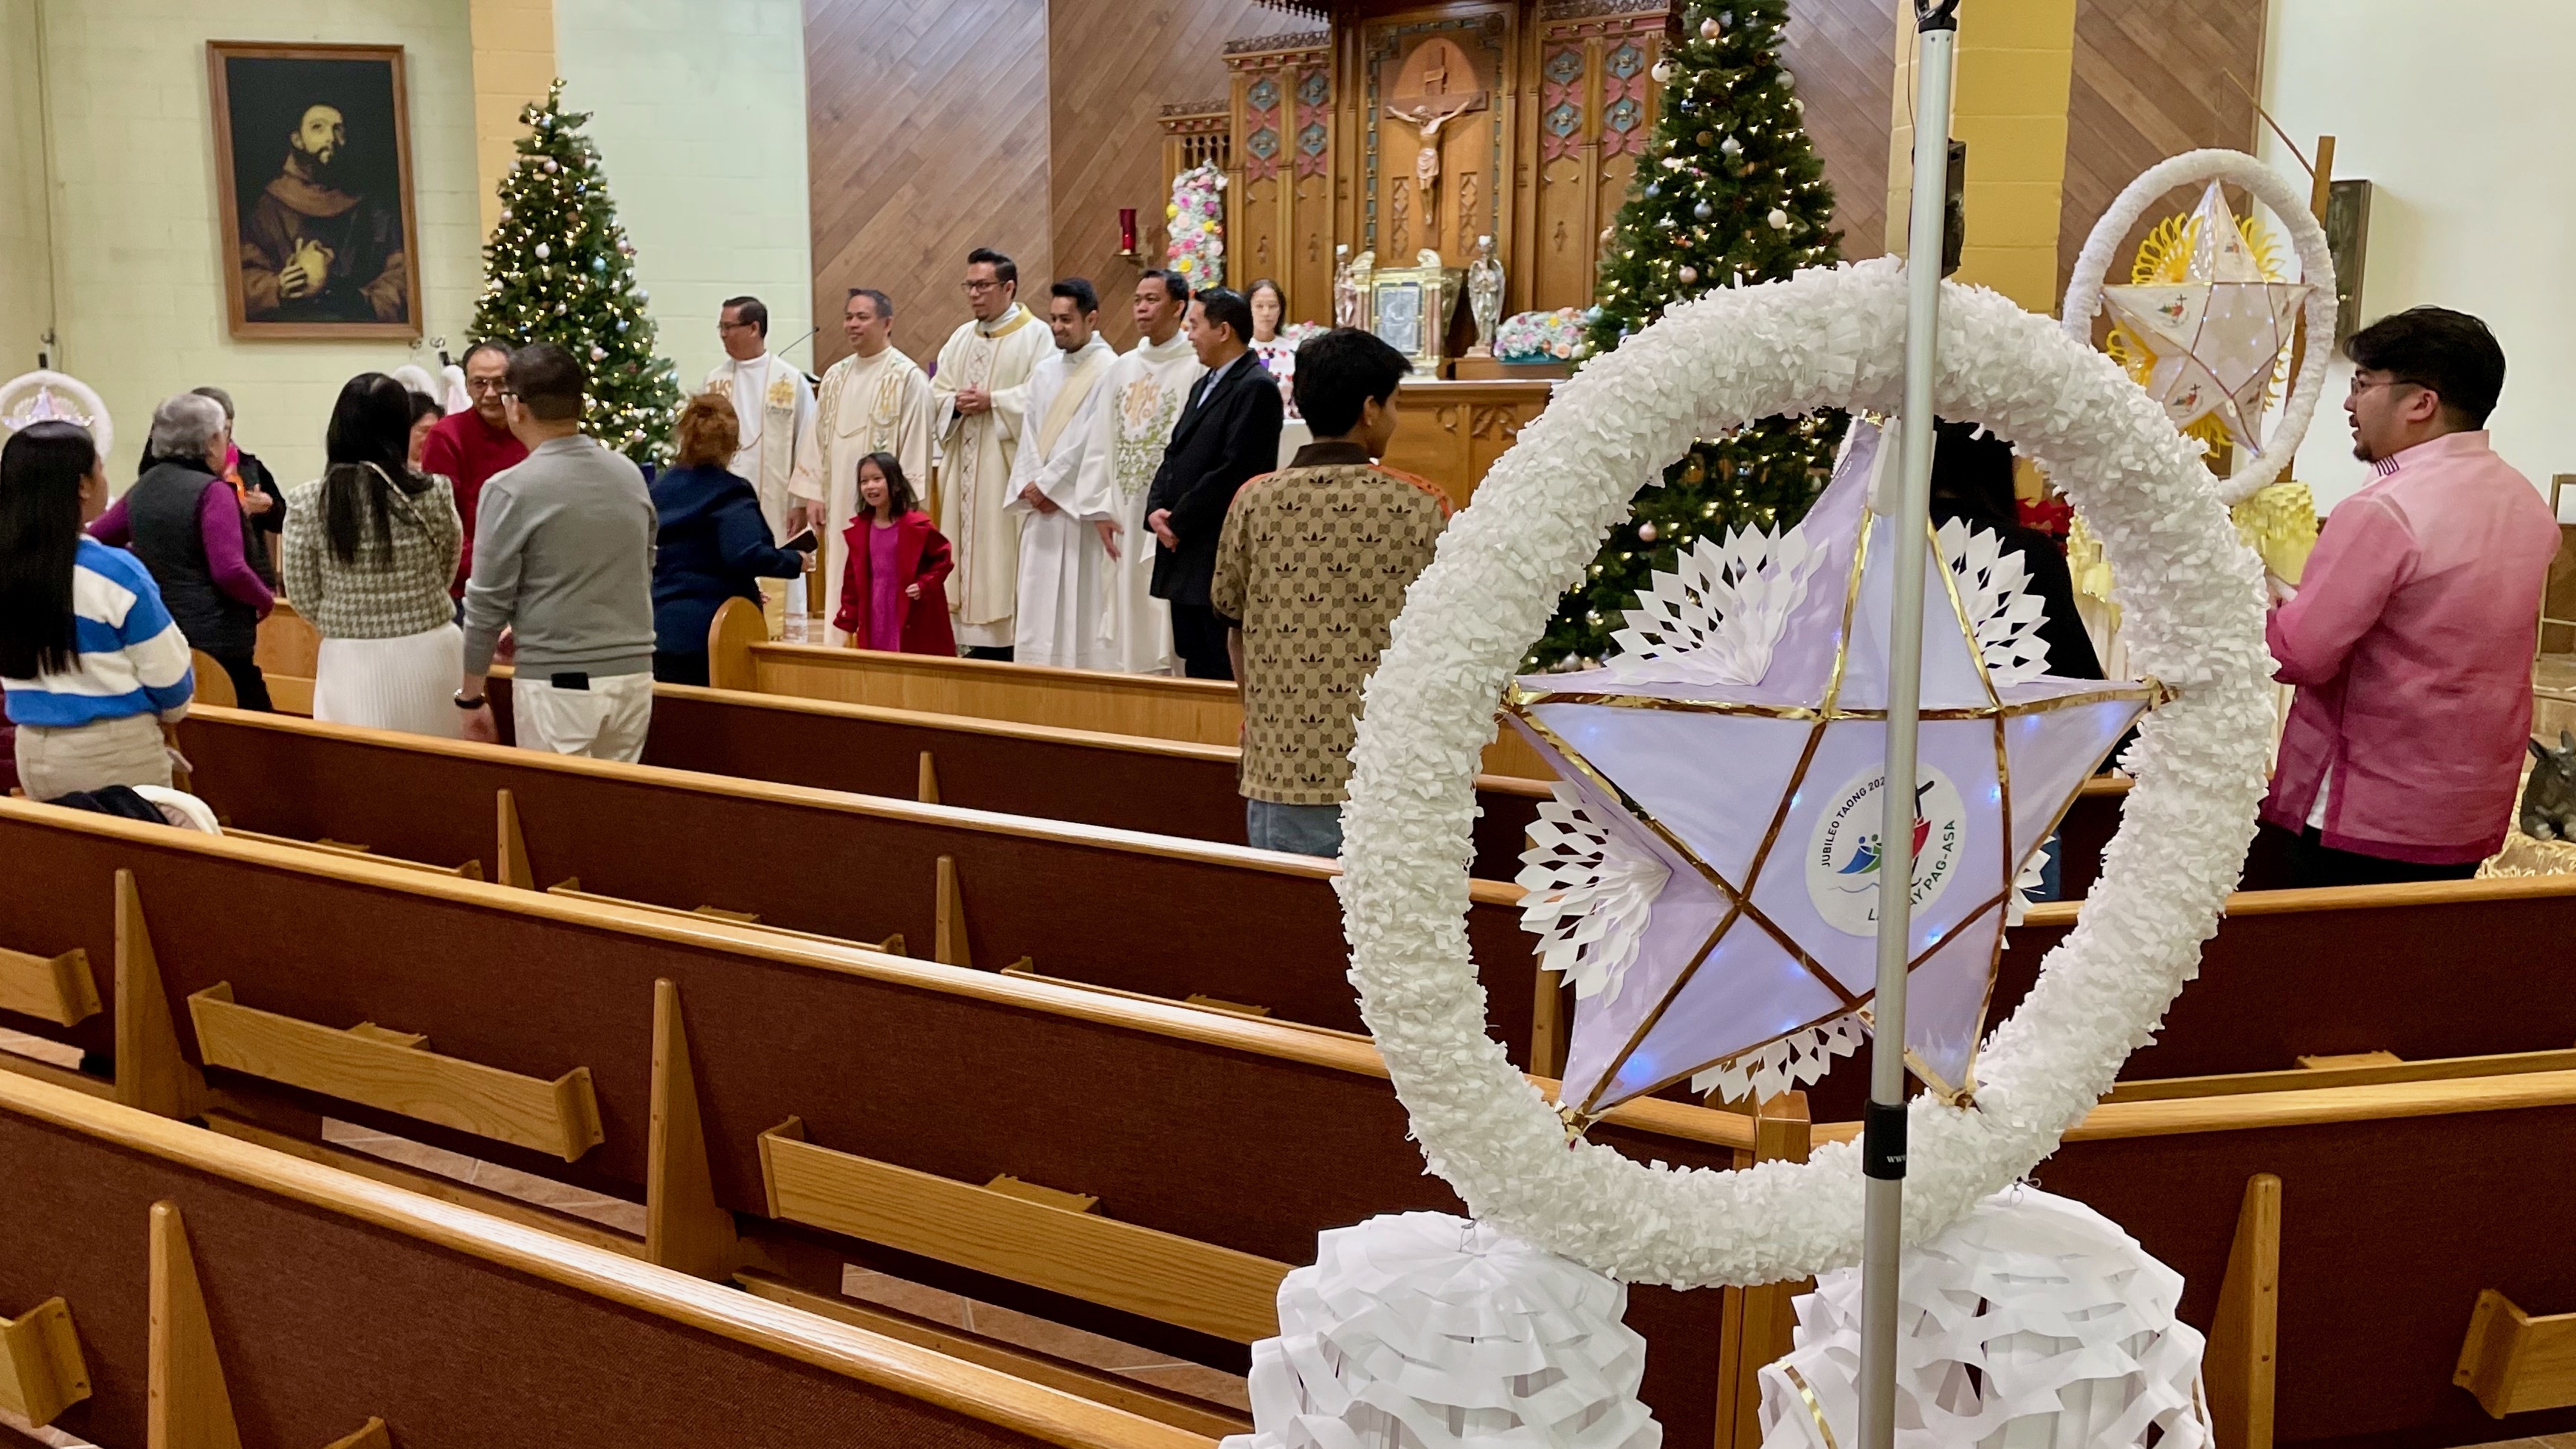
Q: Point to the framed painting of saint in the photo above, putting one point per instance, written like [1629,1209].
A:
[319,235]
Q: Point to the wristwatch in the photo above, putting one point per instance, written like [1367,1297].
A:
[463,703]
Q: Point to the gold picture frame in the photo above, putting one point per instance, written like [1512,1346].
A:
[314,244]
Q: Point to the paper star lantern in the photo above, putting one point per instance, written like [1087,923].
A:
[1709,878]
[2217,336]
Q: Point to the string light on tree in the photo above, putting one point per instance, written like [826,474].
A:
[1729,193]
[585,299]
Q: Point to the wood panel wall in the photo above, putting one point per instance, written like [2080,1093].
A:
[1113,65]
[1843,55]
[926,137]
[2151,81]
[1026,124]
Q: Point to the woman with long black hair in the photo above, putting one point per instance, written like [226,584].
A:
[370,548]
[91,661]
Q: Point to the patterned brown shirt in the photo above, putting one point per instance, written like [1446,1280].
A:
[1312,565]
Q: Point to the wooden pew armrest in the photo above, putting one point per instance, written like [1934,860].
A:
[42,1372]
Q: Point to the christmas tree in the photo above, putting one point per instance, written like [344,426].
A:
[559,269]
[1728,193]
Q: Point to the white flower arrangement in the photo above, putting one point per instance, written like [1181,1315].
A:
[1826,337]
[1197,217]
[1539,336]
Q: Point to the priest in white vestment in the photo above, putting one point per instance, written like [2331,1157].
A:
[982,383]
[772,404]
[1140,400]
[876,400]
[1064,557]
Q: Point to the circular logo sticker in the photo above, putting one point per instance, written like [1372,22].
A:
[1843,851]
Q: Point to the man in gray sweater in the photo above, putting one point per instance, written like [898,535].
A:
[563,558]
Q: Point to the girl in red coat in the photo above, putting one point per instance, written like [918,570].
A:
[891,594]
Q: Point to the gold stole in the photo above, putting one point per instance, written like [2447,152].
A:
[1069,399]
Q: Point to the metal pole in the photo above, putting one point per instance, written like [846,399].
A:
[1883,1139]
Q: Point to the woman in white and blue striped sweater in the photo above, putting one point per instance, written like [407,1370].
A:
[91,662]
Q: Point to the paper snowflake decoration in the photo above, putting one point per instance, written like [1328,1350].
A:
[1738,747]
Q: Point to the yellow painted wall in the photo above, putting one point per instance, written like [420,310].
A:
[514,62]
[2014,64]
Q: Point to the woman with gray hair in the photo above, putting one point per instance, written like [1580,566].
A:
[186,524]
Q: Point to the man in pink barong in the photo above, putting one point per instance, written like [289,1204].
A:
[2410,635]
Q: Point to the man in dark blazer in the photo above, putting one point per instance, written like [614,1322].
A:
[1227,435]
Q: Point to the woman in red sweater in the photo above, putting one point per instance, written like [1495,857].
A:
[891,594]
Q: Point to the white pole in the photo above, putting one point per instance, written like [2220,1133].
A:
[1883,1142]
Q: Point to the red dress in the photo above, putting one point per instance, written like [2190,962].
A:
[921,556]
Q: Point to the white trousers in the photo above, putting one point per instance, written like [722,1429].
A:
[607,721]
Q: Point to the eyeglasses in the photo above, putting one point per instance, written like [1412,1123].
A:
[2359,387]
[485,384]
[980,287]
[724,326]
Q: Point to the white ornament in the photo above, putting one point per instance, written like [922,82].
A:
[1717,616]
[2033,1320]
[1825,337]
[550,166]
[1586,893]
[1662,71]
[1731,147]
[1994,592]
[1428,1331]
[544,251]
[1686,274]
[1779,219]
[1646,531]
[2316,267]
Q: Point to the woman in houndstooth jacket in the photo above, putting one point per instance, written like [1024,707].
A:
[370,548]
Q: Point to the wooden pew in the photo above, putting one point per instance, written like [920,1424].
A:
[202,1291]
[741,656]
[2400,1207]
[2438,970]
[1141,913]
[922,1097]
[1126,782]
[1238,1134]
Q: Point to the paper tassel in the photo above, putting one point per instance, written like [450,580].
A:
[2031,1323]
[1428,1331]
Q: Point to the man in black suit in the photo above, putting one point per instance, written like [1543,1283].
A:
[1227,436]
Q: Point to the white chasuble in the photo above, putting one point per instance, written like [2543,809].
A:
[773,408]
[1062,563]
[1140,400]
[975,458]
[880,404]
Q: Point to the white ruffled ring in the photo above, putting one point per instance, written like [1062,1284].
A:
[1823,338]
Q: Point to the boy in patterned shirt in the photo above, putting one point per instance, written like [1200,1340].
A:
[1311,568]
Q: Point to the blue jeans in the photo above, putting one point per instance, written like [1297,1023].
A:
[1296,829]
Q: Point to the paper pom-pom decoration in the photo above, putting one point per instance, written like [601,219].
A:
[1434,1332]
[2032,1320]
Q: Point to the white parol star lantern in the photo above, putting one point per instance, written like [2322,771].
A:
[2218,336]
[1728,763]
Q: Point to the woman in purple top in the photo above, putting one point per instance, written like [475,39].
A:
[186,524]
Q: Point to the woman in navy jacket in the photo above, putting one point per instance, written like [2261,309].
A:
[714,544]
